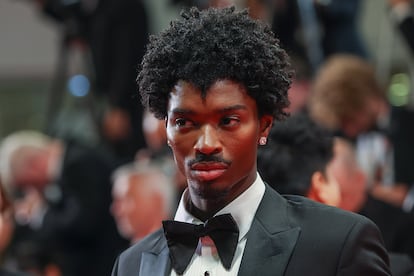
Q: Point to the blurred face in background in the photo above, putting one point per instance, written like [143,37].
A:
[349,175]
[375,109]
[332,190]
[133,207]
[325,188]
[29,167]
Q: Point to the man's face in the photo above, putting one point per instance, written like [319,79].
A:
[215,139]
[30,168]
[130,207]
[350,177]
[364,119]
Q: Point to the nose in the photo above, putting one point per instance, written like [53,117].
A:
[208,141]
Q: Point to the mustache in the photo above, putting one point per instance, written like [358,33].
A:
[203,158]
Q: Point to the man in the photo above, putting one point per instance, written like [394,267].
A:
[302,158]
[63,206]
[347,98]
[297,160]
[219,79]
[395,225]
[142,197]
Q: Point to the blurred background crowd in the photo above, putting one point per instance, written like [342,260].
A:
[85,171]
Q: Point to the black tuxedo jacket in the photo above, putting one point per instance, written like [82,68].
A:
[290,236]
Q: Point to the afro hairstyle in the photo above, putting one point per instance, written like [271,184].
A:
[216,44]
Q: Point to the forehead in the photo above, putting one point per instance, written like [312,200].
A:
[122,185]
[221,95]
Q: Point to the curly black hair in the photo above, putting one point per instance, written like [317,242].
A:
[205,46]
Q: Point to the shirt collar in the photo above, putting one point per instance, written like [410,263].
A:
[243,208]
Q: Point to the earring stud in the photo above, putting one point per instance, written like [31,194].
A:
[262,141]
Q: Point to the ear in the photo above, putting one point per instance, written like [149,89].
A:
[318,189]
[266,122]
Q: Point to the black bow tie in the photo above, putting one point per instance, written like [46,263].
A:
[183,239]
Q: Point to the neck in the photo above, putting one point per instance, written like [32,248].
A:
[205,208]
[202,214]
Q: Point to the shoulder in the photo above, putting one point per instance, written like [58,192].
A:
[326,221]
[319,224]
[301,211]
[298,205]
[131,257]
[152,242]
[352,240]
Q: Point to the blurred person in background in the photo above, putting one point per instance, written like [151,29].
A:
[303,158]
[143,195]
[299,90]
[297,160]
[6,229]
[113,34]
[63,194]
[347,98]
[158,152]
[396,225]
[313,30]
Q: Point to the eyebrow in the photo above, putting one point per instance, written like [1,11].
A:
[184,111]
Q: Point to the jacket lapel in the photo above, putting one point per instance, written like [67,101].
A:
[270,241]
[156,261]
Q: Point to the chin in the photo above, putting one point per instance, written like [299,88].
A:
[208,191]
[125,231]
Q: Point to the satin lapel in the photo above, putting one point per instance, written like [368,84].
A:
[270,241]
[156,262]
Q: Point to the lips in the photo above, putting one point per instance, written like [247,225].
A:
[208,171]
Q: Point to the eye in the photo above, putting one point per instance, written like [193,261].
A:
[183,123]
[230,121]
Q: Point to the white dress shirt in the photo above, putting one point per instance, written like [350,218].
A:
[205,261]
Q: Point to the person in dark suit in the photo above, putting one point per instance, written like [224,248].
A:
[303,158]
[219,79]
[62,210]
